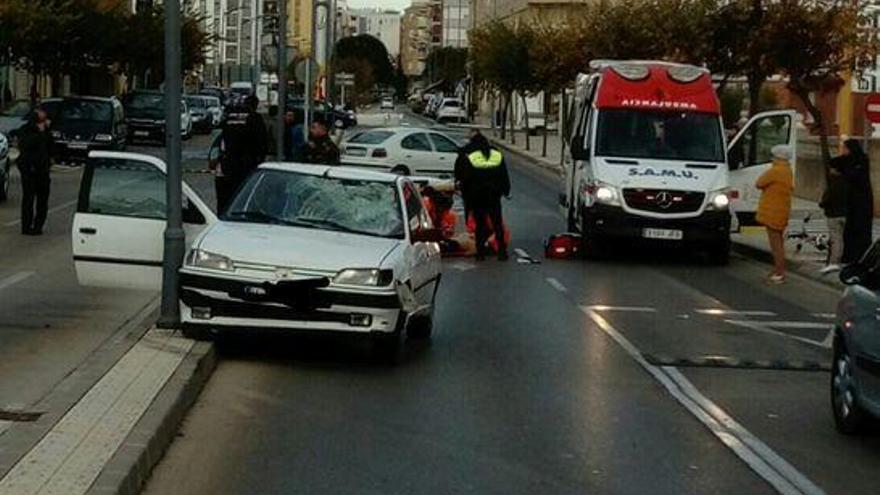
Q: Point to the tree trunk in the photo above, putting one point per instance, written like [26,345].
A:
[804,96]
[493,114]
[755,83]
[33,91]
[544,129]
[509,117]
[503,117]
[526,120]
[563,129]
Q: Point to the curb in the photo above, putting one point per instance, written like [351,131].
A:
[540,162]
[756,254]
[143,448]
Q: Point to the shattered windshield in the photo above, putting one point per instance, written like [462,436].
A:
[326,203]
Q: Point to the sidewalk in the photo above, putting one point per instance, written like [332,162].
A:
[802,256]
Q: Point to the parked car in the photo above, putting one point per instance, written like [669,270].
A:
[451,110]
[402,150]
[81,124]
[855,368]
[5,167]
[220,93]
[202,119]
[14,116]
[433,105]
[333,250]
[145,116]
[215,108]
[387,104]
[336,118]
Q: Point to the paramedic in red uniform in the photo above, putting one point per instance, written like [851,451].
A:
[482,176]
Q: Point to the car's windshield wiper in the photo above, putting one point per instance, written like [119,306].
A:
[259,216]
[337,226]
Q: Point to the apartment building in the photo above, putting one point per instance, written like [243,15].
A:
[455,22]
[383,24]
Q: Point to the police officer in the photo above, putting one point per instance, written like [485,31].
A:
[35,143]
[482,176]
[321,149]
[244,144]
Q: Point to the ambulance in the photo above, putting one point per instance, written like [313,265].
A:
[647,158]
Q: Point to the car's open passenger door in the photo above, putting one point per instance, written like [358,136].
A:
[118,227]
[748,156]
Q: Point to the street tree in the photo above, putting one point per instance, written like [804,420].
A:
[447,64]
[368,49]
[813,43]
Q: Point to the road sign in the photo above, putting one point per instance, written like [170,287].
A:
[872,108]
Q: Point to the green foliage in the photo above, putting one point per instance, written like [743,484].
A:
[448,64]
[368,49]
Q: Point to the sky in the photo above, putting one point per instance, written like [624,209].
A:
[398,5]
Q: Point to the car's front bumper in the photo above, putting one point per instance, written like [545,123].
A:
[228,303]
[614,222]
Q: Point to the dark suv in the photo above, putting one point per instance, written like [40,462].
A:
[145,115]
[84,123]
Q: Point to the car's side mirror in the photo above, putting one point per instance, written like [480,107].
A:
[578,152]
[192,215]
[851,274]
[427,235]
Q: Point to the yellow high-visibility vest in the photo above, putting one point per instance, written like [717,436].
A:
[479,161]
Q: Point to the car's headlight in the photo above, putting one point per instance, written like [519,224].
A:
[56,134]
[719,200]
[360,276]
[104,138]
[205,259]
[605,194]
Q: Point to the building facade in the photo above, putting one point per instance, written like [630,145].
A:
[455,22]
[383,24]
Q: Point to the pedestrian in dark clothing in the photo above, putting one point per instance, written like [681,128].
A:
[834,202]
[35,144]
[294,140]
[853,165]
[463,166]
[321,149]
[484,180]
[244,144]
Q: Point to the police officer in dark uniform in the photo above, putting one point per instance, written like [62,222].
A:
[35,143]
[244,144]
[483,179]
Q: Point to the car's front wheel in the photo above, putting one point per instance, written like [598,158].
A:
[849,417]
[421,327]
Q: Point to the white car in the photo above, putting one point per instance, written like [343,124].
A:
[387,104]
[186,121]
[5,167]
[301,248]
[215,109]
[451,110]
[402,150]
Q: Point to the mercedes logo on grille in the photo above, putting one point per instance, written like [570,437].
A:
[663,199]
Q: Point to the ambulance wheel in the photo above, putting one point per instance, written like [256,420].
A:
[591,244]
[719,253]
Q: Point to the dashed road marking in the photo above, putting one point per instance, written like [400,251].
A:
[824,316]
[556,284]
[781,475]
[732,312]
[768,328]
[14,279]
[630,309]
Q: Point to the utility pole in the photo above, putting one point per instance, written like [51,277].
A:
[282,79]
[174,235]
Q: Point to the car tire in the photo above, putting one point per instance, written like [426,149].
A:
[4,185]
[591,244]
[388,348]
[421,327]
[719,253]
[849,417]
[401,170]
[572,221]
[198,333]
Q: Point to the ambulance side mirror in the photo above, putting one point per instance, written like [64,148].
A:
[578,151]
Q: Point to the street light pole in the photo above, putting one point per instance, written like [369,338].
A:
[282,79]
[174,236]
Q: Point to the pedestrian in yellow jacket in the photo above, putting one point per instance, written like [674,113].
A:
[776,185]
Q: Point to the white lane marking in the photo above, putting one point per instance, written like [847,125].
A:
[556,284]
[807,325]
[824,316]
[756,454]
[4,425]
[829,339]
[522,253]
[758,327]
[50,211]
[462,266]
[14,279]
[630,309]
[732,312]
[71,456]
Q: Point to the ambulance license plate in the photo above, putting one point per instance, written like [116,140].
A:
[663,234]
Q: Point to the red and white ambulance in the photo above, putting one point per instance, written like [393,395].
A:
[647,157]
